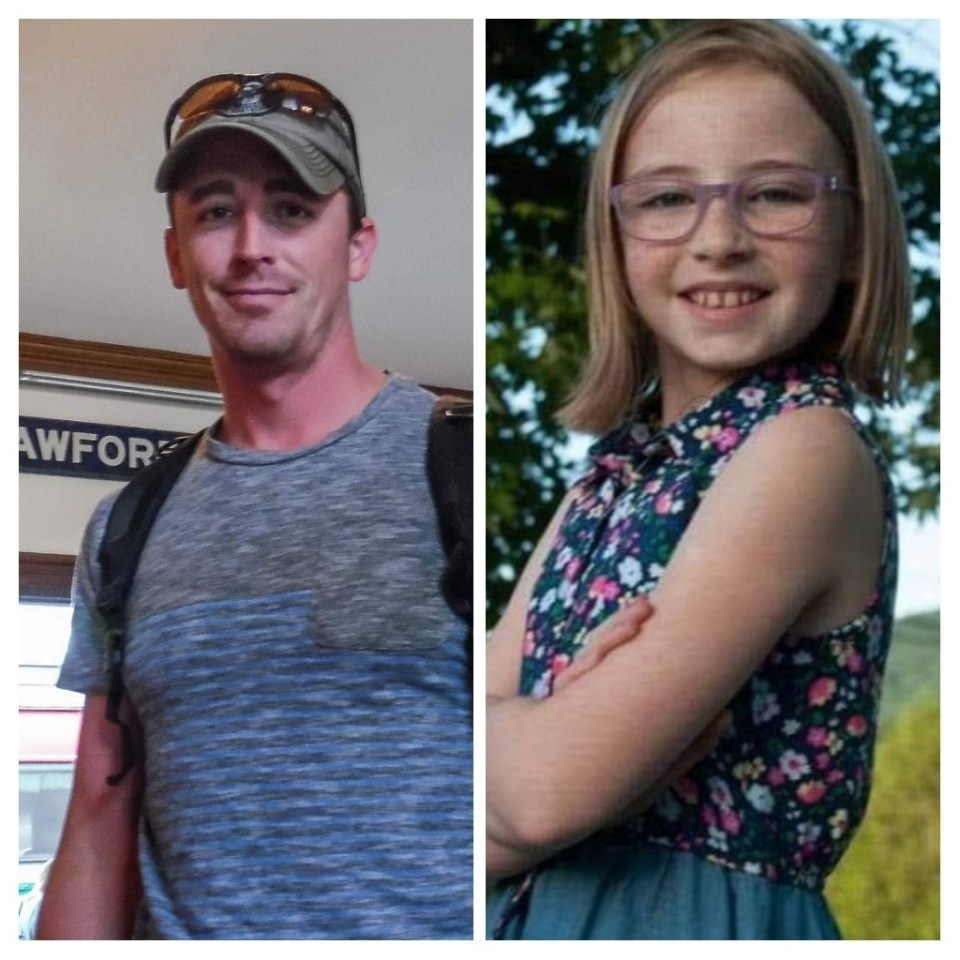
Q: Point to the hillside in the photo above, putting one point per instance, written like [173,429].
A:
[913,670]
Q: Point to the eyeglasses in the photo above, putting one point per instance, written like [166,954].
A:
[241,95]
[772,203]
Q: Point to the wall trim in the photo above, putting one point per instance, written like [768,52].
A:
[46,576]
[113,361]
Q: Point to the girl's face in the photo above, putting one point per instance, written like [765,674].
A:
[725,300]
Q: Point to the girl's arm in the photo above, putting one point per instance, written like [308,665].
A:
[505,643]
[505,861]
[789,535]
[502,859]
[504,654]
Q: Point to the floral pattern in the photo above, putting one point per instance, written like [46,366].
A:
[786,787]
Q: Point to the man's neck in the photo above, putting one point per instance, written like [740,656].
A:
[290,409]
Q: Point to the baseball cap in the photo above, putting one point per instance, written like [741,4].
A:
[296,116]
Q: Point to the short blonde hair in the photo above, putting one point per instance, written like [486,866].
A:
[867,329]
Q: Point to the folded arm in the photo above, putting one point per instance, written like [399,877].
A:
[778,542]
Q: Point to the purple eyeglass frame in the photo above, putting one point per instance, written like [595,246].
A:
[705,192]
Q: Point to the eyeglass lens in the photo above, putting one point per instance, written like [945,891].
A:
[769,204]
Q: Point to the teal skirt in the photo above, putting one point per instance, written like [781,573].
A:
[605,890]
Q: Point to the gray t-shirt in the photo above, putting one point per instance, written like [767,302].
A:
[302,689]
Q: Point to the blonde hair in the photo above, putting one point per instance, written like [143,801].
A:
[866,330]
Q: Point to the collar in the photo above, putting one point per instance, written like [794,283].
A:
[713,428]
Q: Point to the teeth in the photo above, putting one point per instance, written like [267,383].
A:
[723,298]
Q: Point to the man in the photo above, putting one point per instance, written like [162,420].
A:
[299,682]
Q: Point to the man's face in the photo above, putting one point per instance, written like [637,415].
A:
[267,263]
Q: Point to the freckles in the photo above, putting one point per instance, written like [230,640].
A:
[645,267]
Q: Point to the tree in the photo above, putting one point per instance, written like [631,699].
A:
[548,82]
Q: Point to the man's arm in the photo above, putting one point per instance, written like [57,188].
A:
[94,886]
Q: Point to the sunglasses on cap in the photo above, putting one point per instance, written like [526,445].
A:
[243,95]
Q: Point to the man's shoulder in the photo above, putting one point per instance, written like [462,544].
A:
[403,405]
[418,400]
[406,392]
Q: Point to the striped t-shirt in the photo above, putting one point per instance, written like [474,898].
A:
[302,688]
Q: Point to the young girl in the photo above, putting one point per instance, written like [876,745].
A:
[748,285]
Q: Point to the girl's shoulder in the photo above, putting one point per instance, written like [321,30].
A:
[791,421]
[770,392]
[773,393]
[801,409]
[707,437]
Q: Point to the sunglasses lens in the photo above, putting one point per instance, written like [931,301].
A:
[224,94]
[197,103]
[302,90]
[207,98]
[302,97]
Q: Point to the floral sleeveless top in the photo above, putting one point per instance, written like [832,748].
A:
[782,793]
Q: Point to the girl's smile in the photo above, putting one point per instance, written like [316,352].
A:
[724,299]
[724,303]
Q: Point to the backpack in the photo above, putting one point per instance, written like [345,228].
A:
[450,473]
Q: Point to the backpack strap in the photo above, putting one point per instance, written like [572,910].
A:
[450,469]
[128,527]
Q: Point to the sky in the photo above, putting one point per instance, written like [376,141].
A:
[919,587]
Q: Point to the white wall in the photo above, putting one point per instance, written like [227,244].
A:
[93,95]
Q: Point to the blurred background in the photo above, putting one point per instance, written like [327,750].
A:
[548,83]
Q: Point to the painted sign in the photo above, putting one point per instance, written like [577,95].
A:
[71,448]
